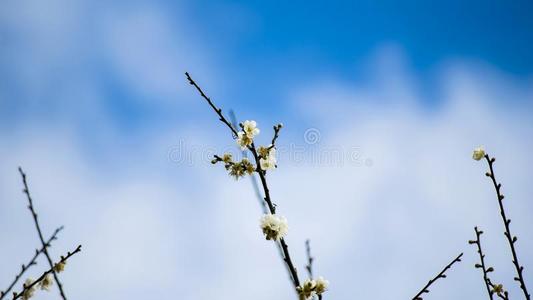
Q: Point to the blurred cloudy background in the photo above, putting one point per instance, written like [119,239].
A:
[382,104]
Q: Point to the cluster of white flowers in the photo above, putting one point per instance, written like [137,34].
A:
[236,169]
[44,284]
[245,138]
[311,287]
[274,227]
[239,169]
[268,157]
[479,153]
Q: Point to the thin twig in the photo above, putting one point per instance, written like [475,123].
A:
[481,265]
[30,263]
[217,110]
[440,275]
[271,206]
[51,270]
[310,259]
[35,217]
[277,128]
[510,238]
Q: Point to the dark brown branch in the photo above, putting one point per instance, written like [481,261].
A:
[51,270]
[262,179]
[217,110]
[440,275]
[33,261]
[257,192]
[277,128]
[35,219]
[510,238]
[271,206]
[481,265]
[310,259]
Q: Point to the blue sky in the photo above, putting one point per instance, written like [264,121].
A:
[340,34]
[94,105]
[261,45]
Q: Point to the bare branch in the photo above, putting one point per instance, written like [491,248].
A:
[35,219]
[277,128]
[481,265]
[440,275]
[216,109]
[510,238]
[310,259]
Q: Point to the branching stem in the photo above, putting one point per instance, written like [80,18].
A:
[51,270]
[41,238]
[33,261]
[262,177]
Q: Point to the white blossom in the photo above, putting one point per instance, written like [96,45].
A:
[268,162]
[311,287]
[248,167]
[321,285]
[46,283]
[498,289]
[250,128]
[28,293]
[59,267]
[479,153]
[274,227]
[243,140]
[307,289]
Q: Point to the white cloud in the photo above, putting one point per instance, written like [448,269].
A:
[71,55]
[419,201]
[151,51]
